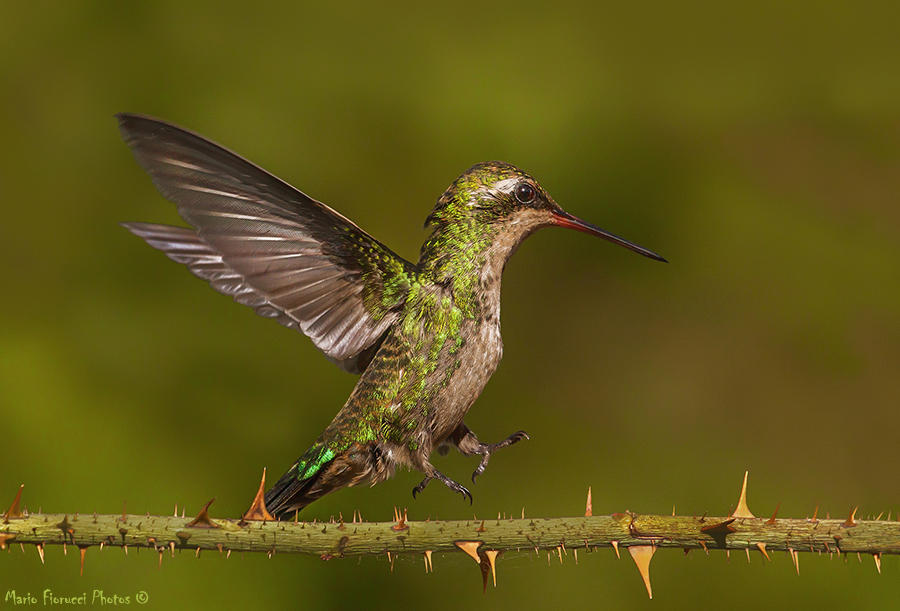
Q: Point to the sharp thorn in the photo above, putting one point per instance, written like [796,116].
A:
[742,511]
[492,560]
[14,512]
[642,554]
[470,547]
[850,522]
[203,520]
[257,510]
[795,558]
[4,537]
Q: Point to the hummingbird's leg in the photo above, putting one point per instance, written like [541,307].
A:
[432,473]
[467,443]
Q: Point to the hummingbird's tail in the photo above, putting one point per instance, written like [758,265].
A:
[318,472]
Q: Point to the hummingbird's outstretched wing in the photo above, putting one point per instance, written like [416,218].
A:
[269,246]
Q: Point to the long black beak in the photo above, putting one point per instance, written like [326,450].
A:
[562,218]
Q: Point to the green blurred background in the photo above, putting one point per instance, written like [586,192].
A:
[756,145]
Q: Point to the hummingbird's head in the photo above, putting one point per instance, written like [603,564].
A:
[509,204]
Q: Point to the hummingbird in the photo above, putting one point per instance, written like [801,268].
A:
[423,337]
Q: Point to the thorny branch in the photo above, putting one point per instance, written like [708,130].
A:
[483,540]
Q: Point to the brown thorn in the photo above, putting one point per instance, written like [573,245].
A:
[642,554]
[775,513]
[82,549]
[481,529]
[203,520]
[703,545]
[197,554]
[795,558]
[219,547]
[401,520]
[877,558]
[850,522]
[125,549]
[4,537]
[879,516]
[175,515]
[485,568]
[721,528]
[615,545]
[227,554]
[492,560]
[124,505]
[258,511]
[742,511]
[40,549]
[172,548]
[559,551]
[747,549]
[429,568]
[575,551]
[160,550]
[815,519]
[762,548]
[469,547]
[589,507]
[14,513]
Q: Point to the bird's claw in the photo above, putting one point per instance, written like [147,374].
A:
[486,449]
[454,486]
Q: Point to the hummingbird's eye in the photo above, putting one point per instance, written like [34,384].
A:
[525,193]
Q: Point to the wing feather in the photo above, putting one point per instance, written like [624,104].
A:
[269,246]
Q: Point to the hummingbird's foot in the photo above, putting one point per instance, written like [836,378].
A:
[486,449]
[454,486]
